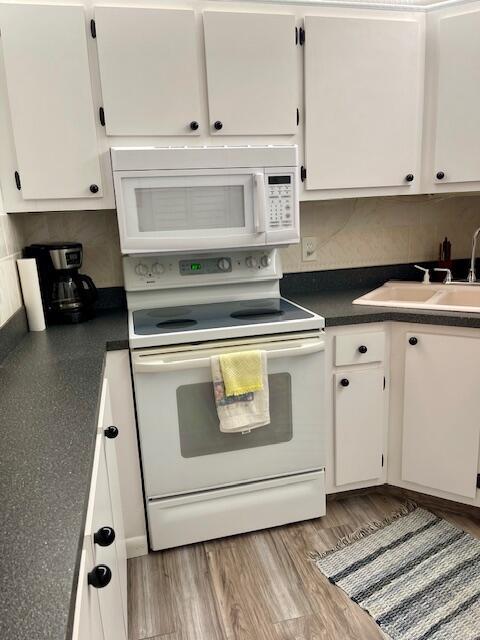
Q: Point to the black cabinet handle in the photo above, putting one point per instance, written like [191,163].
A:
[362,348]
[217,125]
[194,125]
[344,382]
[409,177]
[94,188]
[413,341]
[99,576]
[440,175]
[104,537]
[111,432]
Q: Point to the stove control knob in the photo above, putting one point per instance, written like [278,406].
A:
[141,269]
[224,264]
[265,261]
[158,269]
[251,262]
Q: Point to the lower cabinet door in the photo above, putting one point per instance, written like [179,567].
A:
[359,425]
[87,623]
[105,552]
[441,413]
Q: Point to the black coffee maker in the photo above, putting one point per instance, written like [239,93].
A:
[68,296]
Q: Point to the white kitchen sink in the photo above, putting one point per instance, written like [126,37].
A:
[408,295]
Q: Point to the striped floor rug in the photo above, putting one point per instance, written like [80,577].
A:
[417,575]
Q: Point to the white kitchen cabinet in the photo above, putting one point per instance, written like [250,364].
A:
[441,412]
[104,541]
[149,69]
[452,141]
[363,102]
[87,623]
[359,425]
[50,101]
[251,63]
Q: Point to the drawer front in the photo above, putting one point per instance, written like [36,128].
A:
[225,512]
[359,348]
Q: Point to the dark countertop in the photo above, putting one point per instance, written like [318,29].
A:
[337,309]
[50,388]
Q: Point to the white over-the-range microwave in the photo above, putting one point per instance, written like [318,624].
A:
[177,199]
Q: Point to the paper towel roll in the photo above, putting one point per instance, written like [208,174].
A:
[32,298]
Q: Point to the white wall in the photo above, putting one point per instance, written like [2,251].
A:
[350,233]
[10,245]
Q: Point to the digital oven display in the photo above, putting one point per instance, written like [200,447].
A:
[279,179]
[195,266]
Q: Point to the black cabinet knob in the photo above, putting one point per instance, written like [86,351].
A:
[440,175]
[104,536]
[99,576]
[409,177]
[362,348]
[194,125]
[413,341]
[94,188]
[217,125]
[344,382]
[111,432]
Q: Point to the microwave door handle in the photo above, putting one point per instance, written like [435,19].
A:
[158,365]
[259,202]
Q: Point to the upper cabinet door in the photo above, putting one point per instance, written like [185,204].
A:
[363,101]
[149,70]
[51,106]
[457,70]
[251,73]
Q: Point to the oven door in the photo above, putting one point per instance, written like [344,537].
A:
[183,449]
[190,209]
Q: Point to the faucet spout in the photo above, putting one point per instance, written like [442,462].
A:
[472,276]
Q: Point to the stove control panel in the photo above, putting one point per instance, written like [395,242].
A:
[280,201]
[166,272]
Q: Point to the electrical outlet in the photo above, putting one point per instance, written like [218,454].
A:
[309,248]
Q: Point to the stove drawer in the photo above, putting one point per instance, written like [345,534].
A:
[224,512]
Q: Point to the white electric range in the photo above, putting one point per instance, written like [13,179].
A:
[201,483]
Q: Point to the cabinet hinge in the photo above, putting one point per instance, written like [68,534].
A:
[478,481]
[298,117]
[93,28]
[384,382]
[296,35]
[17,180]
[303,173]
[383,459]
[101,115]
[301,36]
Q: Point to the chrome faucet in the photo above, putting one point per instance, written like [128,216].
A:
[448,275]
[472,276]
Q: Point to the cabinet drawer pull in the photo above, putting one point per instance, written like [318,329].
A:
[104,537]
[344,382]
[409,177]
[99,576]
[413,341]
[440,175]
[94,188]
[362,348]
[217,125]
[194,125]
[111,432]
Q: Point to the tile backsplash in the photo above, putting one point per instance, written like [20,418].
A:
[350,233]
[10,247]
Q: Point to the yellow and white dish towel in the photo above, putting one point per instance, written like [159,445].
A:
[240,383]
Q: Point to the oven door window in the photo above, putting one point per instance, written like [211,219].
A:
[199,431]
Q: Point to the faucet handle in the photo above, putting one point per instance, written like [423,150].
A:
[426,273]
[448,275]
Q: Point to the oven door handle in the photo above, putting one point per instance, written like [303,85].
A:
[259,202]
[141,364]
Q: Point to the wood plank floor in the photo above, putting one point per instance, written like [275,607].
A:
[257,586]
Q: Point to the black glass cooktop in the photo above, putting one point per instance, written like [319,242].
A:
[216,315]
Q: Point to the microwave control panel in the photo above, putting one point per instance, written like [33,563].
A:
[280,206]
